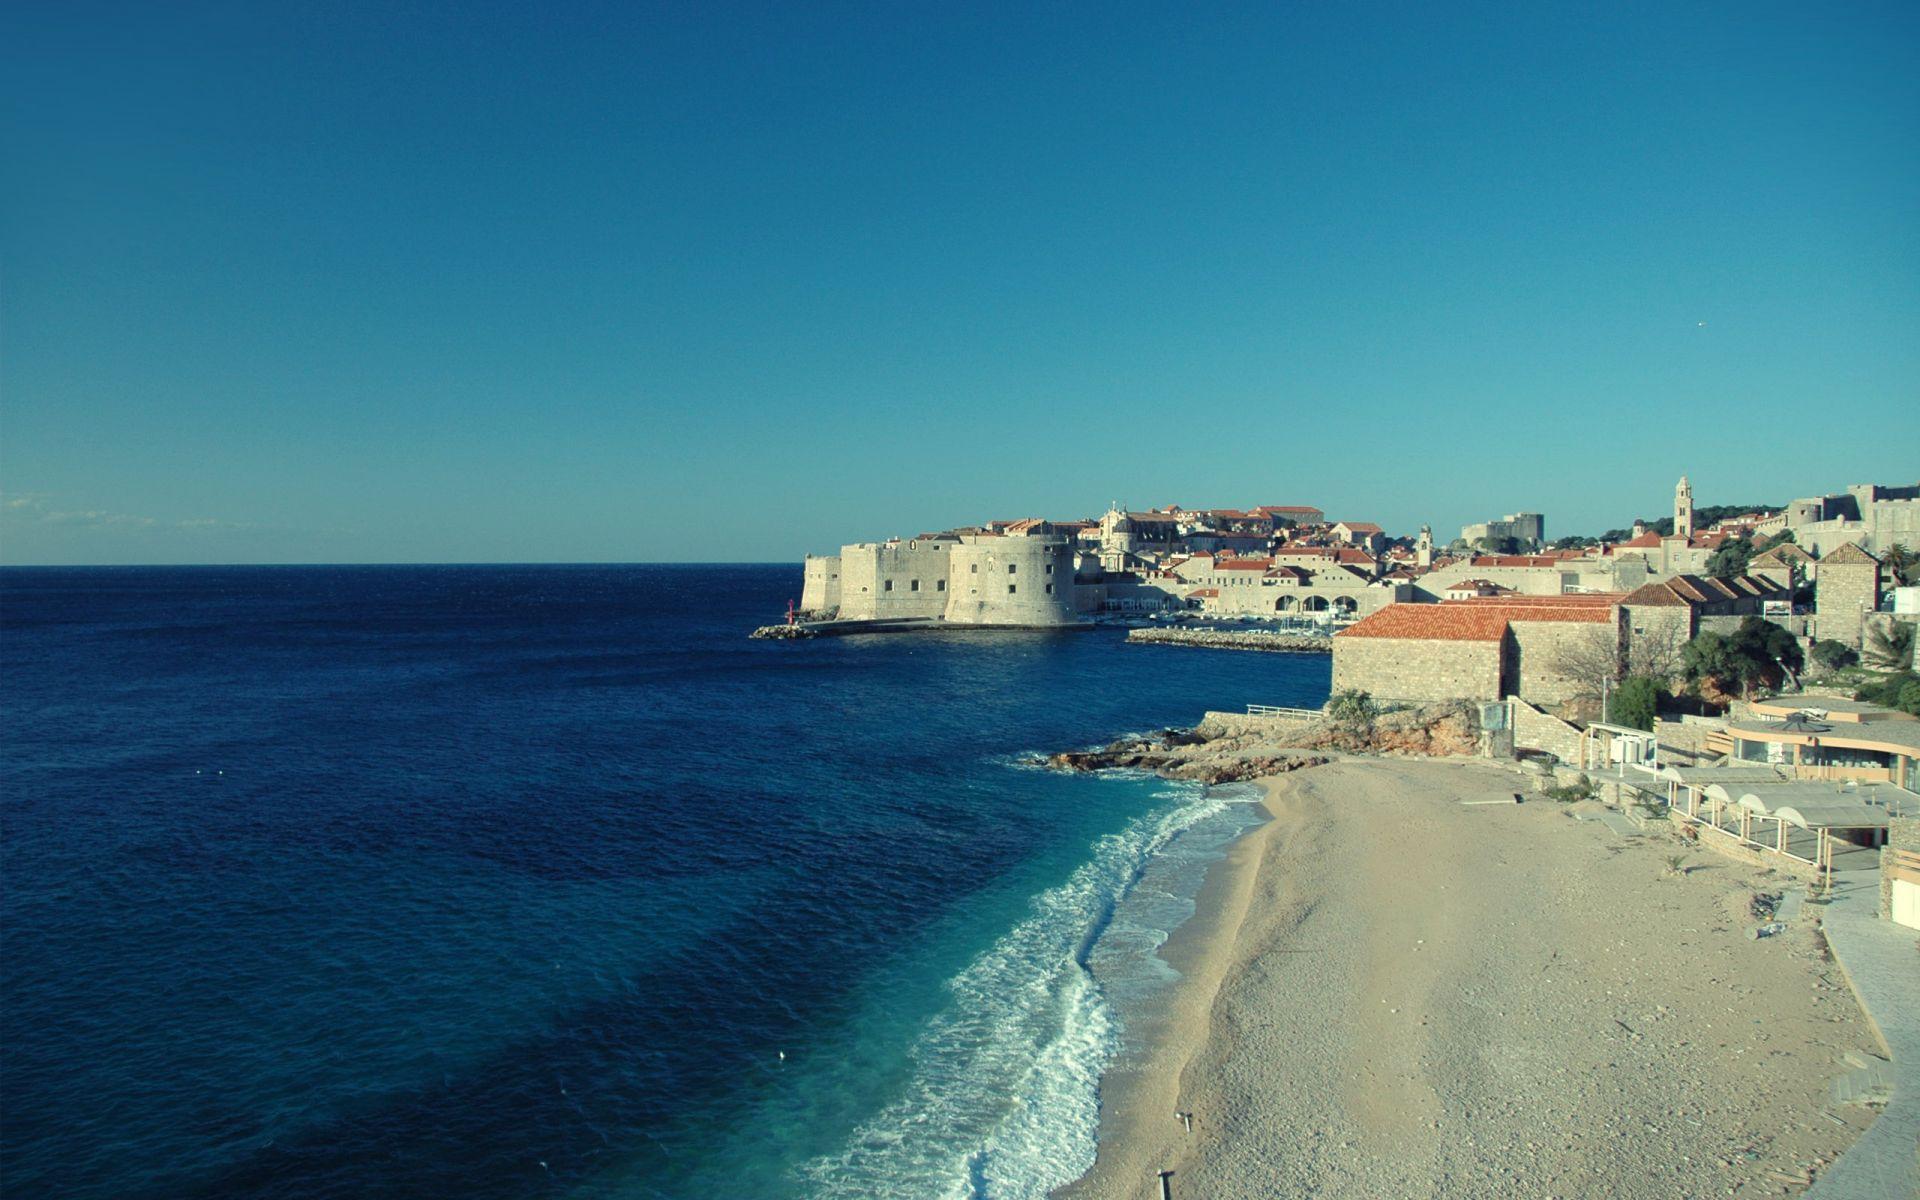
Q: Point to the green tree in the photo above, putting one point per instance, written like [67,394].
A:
[1909,701]
[1834,655]
[1900,562]
[1635,702]
[1757,654]
[1731,559]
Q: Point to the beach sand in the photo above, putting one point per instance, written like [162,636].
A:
[1389,993]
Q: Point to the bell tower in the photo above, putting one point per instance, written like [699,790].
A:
[1683,509]
[1423,549]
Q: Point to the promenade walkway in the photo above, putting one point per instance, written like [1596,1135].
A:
[1882,963]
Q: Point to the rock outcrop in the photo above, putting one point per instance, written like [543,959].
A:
[1235,639]
[1235,748]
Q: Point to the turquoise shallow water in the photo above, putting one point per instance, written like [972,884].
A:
[521,881]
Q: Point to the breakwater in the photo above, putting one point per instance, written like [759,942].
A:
[1235,639]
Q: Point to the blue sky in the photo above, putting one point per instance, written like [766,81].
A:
[468,283]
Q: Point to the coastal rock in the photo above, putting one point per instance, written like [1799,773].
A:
[1228,751]
[1271,640]
[782,632]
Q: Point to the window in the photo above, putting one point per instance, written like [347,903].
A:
[1011,567]
[913,585]
[1049,589]
[1049,568]
[887,586]
[1011,589]
[940,585]
[975,568]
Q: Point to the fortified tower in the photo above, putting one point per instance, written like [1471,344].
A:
[1012,581]
[1683,509]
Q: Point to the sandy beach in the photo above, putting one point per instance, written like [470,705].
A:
[1388,992]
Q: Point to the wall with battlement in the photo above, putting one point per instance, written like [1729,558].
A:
[821,590]
[894,580]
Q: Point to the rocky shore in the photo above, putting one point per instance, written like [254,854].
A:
[1235,639]
[1227,748]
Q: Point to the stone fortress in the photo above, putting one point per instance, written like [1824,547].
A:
[1869,515]
[1023,577]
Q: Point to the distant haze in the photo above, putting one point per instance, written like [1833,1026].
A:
[512,283]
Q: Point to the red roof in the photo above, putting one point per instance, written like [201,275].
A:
[1350,555]
[1198,592]
[1243,564]
[1483,620]
[1515,560]
[1362,526]
[1431,623]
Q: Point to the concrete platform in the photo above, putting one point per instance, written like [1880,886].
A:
[1881,962]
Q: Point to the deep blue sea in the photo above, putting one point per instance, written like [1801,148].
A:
[521,881]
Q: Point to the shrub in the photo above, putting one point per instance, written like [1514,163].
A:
[1352,706]
[1635,702]
[1834,655]
[1890,691]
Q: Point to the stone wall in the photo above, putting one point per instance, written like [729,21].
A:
[1535,730]
[1538,647]
[1012,581]
[1406,669]
[821,590]
[1843,593]
[894,580]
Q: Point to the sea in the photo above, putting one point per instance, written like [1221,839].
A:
[546,881]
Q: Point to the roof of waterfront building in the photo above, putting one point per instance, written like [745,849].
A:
[1430,623]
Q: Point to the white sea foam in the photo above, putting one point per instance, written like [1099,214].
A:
[1003,1101]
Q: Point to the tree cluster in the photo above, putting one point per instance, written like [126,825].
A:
[1758,654]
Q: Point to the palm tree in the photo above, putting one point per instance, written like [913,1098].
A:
[1900,561]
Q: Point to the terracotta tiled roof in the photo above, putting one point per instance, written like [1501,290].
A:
[1849,553]
[1515,560]
[1198,593]
[1288,573]
[1353,556]
[1243,564]
[1362,526]
[1431,623]
[1579,600]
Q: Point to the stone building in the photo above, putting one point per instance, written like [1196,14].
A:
[1873,516]
[1528,530]
[1845,590]
[1474,649]
[1023,578]
[1683,509]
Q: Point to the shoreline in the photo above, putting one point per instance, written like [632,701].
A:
[1388,991]
[1140,1094]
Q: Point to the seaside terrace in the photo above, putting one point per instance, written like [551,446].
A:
[1827,826]
[1823,737]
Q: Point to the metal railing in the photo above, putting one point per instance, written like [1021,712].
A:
[1276,710]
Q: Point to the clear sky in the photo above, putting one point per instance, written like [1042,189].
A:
[437,282]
